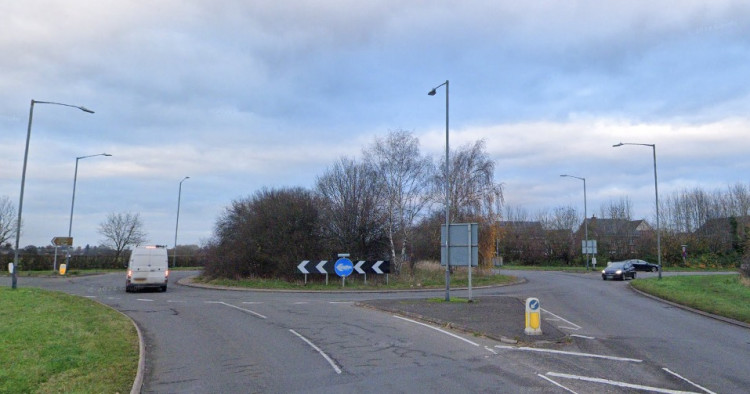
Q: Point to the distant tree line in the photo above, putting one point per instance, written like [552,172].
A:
[387,206]
[713,227]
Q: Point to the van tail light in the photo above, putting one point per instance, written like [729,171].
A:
[130,274]
[166,273]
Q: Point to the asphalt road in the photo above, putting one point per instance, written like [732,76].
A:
[205,341]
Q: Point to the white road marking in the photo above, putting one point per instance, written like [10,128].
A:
[556,384]
[300,303]
[322,353]
[340,302]
[582,336]
[145,299]
[89,296]
[437,329]
[242,309]
[252,302]
[490,350]
[685,379]
[574,326]
[568,328]
[618,384]
[176,301]
[533,349]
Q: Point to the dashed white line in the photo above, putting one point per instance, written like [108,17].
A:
[489,349]
[89,296]
[685,379]
[582,336]
[556,384]
[322,353]
[340,302]
[572,326]
[252,302]
[144,299]
[300,303]
[242,309]
[618,384]
[577,354]
[437,329]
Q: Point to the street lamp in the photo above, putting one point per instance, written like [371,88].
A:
[656,189]
[585,216]
[73,201]
[179,196]
[23,178]
[447,193]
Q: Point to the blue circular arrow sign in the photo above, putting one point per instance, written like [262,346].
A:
[534,304]
[343,267]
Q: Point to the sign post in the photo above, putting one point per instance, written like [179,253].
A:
[343,267]
[533,317]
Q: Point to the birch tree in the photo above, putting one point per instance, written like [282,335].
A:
[405,176]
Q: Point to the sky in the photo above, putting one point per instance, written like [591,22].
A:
[245,94]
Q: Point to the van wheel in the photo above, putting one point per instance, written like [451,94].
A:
[128,289]
[164,289]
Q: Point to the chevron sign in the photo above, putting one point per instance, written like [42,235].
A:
[361,267]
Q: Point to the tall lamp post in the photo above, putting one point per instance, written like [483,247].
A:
[23,178]
[73,201]
[585,216]
[447,193]
[179,196]
[656,189]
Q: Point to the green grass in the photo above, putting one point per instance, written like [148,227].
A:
[55,342]
[722,295]
[426,276]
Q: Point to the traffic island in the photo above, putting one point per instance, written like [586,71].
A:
[499,318]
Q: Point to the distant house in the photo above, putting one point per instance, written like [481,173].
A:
[617,238]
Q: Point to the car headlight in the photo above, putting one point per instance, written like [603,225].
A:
[619,272]
[604,272]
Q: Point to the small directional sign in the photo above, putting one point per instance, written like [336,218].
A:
[358,267]
[343,267]
[62,241]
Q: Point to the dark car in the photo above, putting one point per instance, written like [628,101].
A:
[642,265]
[619,270]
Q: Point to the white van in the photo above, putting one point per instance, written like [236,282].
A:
[148,268]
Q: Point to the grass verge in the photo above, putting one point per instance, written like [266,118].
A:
[722,295]
[425,276]
[55,342]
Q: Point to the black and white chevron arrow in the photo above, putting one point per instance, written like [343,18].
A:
[361,267]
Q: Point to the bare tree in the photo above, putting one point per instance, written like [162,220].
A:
[352,209]
[8,219]
[405,175]
[121,230]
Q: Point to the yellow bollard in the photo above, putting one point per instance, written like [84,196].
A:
[533,317]
[63,268]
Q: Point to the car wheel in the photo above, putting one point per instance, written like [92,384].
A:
[633,275]
[603,277]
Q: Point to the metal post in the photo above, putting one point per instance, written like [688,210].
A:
[470,246]
[72,204]
[23,180]
[656,190]
[658,230]
[177,223]
[585,217]
[447,190]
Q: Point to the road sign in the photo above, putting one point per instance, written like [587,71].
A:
[362,267]
[464,244]
[343,267]
[62,241]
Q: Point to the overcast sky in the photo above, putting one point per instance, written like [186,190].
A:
[240,95]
